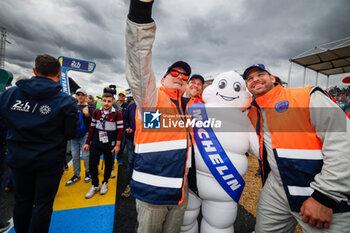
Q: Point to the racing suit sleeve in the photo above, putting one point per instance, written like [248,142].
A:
[332,127]
[140,35]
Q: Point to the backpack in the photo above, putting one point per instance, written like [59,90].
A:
[81,126]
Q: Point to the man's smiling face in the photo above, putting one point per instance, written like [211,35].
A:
[259,82]
[194,87]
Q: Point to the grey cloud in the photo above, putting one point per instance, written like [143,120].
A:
[89,13]
[213,36]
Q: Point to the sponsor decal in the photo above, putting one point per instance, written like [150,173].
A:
[282,106]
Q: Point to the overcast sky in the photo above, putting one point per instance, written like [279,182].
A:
[213,36]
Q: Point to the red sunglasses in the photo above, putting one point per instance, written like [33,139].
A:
[176,74]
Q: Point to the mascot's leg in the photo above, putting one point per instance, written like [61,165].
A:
[190,223]
[218,216]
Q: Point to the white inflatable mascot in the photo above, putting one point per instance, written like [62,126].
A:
[220,154]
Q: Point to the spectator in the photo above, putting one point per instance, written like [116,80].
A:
[194,86]
[37,142]
[91,100]
[98,103]
[85,112]
[304,140]
[121,104]
[104,137]
[130,127]
[121,101]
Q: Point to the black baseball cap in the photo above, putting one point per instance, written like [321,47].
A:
[181,64]
[259,66]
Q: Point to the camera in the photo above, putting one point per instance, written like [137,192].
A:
[110,89]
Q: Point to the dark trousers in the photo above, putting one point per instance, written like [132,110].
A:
[95,153]
[2,164]
[122,146]
[35,191]
[131,155]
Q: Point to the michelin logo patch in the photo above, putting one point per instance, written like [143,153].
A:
[151,120]
[282,106]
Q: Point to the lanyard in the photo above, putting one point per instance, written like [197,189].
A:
[104,118]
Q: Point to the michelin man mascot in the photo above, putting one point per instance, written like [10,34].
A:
[220,154]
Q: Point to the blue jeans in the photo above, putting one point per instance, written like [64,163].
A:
[131,155]
[77,150]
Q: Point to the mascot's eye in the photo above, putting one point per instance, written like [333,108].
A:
[237,86]
[222,83]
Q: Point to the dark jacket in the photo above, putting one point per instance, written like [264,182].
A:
[3,129]
[40,119]
[129,119]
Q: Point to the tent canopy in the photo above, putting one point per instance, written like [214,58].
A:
[328,59]
[329,62]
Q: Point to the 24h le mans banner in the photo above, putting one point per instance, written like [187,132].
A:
[73,64]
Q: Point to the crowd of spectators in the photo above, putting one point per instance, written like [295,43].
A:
[342,96]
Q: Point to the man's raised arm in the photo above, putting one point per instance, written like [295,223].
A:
[140,34]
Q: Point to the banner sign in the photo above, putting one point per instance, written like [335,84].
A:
[73,64]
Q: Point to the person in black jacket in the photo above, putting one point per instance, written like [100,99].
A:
[40,119]
[130,127]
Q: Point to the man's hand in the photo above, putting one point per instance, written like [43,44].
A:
[129,130]
[86,111]
[116,149]
[146,0]
[316,214]
[86,147]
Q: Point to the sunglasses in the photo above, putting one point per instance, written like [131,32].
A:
[176,74]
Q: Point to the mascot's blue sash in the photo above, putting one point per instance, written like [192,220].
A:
[214,155]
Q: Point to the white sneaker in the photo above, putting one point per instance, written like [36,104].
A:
[92,191]
[112,175]
[104,188]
